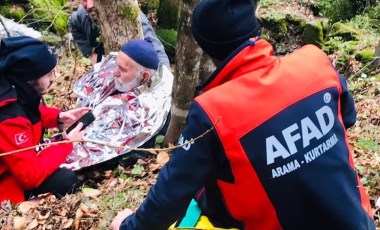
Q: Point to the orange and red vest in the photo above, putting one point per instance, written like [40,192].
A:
[282,131]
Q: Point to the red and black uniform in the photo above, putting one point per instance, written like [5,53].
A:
[278,157]
[21,123]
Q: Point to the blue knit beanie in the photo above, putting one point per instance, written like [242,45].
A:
[25,58]
[221,26]
[142,52]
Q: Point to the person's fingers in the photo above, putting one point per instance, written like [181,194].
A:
[66,115]
[70,116]
[81,111]
[77,128]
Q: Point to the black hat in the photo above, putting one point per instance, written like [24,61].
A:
[221,26]
[25,58]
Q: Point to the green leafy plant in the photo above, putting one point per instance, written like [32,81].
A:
[368,144]
[336,10]
[50,15]
[137,170]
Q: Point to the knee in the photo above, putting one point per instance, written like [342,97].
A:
[68,181]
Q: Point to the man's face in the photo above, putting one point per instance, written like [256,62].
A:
[126,74]
[87,4]
[42,84]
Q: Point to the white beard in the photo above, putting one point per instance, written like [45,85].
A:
[125,87]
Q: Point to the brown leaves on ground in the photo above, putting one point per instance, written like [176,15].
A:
[46,212]
[89,208]
[364,137]
[67,72]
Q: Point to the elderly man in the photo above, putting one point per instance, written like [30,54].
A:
[131,98]
[86,32]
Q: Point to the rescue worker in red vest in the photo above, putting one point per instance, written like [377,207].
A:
[26,72]
[278,156]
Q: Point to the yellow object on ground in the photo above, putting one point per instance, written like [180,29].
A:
[203,223]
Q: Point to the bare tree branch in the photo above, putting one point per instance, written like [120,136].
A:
[151,150]
[5,27]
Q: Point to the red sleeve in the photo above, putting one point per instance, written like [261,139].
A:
[49,116]
[29,168]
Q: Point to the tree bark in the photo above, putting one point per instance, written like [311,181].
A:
[167,14]
[206,69]
[119,22]
[188,62]
[377,55]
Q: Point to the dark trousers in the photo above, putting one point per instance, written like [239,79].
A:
[63,181]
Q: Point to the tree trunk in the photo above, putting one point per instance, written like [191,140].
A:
[119,22]
[206,69]
[188,62]
[167,14]
[377,55]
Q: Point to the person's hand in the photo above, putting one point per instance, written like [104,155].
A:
[94,58]
[115,225]
[68,118]
[75,134]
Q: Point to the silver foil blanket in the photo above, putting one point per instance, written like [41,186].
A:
[128,119]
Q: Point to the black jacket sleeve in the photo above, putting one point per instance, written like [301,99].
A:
[187,171]
[347,104]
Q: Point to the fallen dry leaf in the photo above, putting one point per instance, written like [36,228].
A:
[32,224]
[62,212]
[78,216]
[67,223]
[42,218]
[26,206]
[154,167]
[162,157]
[90,192]
[19,222]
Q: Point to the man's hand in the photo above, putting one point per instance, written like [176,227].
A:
[94,58]
[115,225]
[69,117]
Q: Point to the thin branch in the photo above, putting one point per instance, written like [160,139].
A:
[5,27]
[56,16]
[151,150]
[359,71]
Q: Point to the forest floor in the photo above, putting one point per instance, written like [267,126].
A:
[108,190]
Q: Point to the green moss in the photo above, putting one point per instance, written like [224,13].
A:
[169,40]
[167,15]
[295,24]
[47,12]
[313,33]
[15,12]
[377,77]
[343,61]
[365,55]
[52,39]
[277,25]
[350,46]
[295,20]
[148,5]
[131,12]
[336,44]
[344,31]
[336,10]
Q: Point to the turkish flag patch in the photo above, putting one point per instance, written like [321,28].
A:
[21,138]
